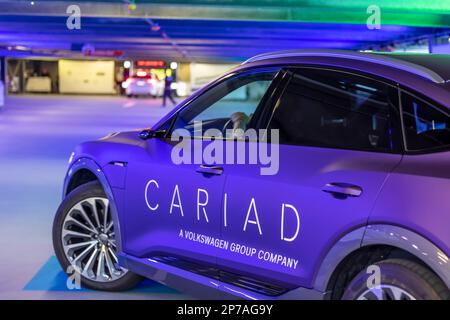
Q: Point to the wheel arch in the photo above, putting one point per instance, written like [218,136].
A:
[79,178]
[85,170]
[373,243]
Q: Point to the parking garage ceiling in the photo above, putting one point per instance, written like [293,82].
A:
[204,30]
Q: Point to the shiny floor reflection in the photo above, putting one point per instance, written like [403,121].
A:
[37,135]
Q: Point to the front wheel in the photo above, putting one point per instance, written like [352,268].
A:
[84,240]
[398,280]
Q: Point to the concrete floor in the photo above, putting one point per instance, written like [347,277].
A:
[37,135]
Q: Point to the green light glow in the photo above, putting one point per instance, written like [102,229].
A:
[426,13]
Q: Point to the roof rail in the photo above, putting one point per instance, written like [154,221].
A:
[367,57]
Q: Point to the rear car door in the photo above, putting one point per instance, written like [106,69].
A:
[339,138]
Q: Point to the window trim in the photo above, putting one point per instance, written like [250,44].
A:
[397,115]
[264,103]
[429,102]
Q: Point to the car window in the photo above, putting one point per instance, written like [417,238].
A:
[327,108]
[426,127]
[230,104]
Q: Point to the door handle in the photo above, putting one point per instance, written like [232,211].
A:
[342,189]
[210,169]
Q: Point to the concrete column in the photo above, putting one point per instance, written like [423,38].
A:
[22,78]
[2,81]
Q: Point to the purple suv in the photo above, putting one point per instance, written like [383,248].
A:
[357,208]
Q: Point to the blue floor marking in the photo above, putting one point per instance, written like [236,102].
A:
[52,278]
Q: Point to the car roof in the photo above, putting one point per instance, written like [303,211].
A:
[433,70]
[439,63]
[433,67]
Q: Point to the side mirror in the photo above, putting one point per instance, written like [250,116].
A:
[148,134]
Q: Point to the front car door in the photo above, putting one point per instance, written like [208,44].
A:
[338,140]
[174,196]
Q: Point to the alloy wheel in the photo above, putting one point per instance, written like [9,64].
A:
[386,292]
[88,240]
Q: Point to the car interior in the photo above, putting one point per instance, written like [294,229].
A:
[333,112]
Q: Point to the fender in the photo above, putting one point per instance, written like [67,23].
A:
[382,234]
[91,165]
[349,243]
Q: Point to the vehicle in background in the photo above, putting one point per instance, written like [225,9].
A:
[143,86]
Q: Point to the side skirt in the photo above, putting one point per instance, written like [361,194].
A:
[203,282]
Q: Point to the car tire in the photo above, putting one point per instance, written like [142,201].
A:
[109,276]
[399,280]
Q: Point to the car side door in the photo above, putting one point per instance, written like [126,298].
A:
[338,138]
[174,207]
